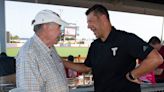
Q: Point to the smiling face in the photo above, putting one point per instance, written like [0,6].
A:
[95,24]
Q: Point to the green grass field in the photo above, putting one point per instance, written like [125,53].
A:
[12,51]
[63,51]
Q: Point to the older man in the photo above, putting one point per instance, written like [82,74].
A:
[39,68]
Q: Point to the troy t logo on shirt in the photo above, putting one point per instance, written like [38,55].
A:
[114,49]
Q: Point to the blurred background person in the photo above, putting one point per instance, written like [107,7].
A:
[159,72]
[7,69]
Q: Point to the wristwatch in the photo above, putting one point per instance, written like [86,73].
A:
[131,77]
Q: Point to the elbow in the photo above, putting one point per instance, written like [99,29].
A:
[159,60]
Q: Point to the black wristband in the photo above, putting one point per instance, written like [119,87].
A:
[131,77]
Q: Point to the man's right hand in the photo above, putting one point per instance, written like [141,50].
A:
[79,67]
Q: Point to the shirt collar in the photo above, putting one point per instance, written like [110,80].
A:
[110,35]
[41,44]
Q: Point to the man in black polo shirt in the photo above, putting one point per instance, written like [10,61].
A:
[112,55]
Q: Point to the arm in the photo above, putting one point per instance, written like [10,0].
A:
[77,67]
[152,61]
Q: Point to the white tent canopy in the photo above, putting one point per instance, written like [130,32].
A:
[150,7]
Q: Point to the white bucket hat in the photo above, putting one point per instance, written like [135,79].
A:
[47,16]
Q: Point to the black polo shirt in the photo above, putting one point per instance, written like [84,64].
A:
[113,59]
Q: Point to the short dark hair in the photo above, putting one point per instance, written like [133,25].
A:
[98,9]
[154,40]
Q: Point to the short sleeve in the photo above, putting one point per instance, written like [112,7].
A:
[161,51]
[88,60]
[138,48]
